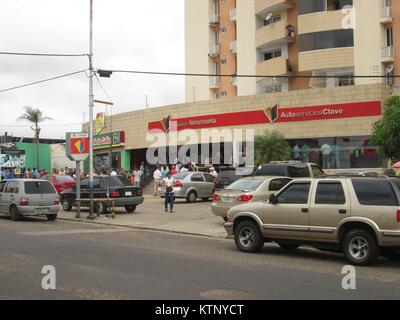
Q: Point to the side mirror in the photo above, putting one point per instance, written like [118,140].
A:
[273,199]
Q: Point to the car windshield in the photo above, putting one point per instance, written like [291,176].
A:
[248,185]
[39,187]
[180,176]
[64,179]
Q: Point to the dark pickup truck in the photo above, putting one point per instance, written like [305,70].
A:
[121,191]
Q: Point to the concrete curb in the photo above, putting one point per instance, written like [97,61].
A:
[146,228]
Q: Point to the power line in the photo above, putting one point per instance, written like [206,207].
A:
[41,81]
[42,125]
[42,54]
[246,75]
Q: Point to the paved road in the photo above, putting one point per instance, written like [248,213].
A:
[100,262]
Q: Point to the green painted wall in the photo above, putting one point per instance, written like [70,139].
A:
[126,160]
[30,155]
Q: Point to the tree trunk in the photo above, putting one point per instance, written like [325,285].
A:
[37,149]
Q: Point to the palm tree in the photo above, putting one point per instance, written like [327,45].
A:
[34,116]
[272,146]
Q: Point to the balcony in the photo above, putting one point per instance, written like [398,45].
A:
[233,46]
[262,7]
[234,81]
[214,20]
[326,59]
[387,55]
[215,82]
[274,67]
[386,15]
[214,51]
[274,34]
[233,14]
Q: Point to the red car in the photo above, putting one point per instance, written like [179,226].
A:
[61,183]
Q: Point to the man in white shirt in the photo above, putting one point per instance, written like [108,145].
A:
[213,172]
[113,173]
[184,169]
[168,183]
[157,175]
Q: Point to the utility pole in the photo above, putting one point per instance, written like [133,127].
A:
[91,107]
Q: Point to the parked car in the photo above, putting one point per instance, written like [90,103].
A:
[360,174]
[293,169]
[191,186]
[121,191]
[246,190]
[358,216]
[25,197]
[61,183]
[229,175]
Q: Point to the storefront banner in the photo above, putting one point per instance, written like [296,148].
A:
[115,139]
[335,111]
[100,123]
[270,115]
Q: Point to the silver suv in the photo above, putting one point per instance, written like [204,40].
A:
[25,197]
[358,216]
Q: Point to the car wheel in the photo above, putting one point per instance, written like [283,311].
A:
[360,247]
[130,209]
[51,217]
[288,246]
[100,208]
[192,197]
[248,237]
[15,214]
[66,205]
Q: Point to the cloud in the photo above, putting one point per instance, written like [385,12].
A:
[129,34]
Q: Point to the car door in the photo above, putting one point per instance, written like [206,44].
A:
[8,196]
[289,217]
[197,182]
[330,204]
[208,185]
[2,205]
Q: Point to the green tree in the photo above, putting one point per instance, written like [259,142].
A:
[35,116]
[386,132]
[272,146]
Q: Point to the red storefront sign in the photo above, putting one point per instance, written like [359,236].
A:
[271,115]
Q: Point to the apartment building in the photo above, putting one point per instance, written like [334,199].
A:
[289,44]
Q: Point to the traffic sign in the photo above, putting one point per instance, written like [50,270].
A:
[77,146]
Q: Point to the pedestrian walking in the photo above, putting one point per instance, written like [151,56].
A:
[137,175]
[168,183]
[157,180]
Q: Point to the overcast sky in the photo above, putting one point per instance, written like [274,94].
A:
[129,34]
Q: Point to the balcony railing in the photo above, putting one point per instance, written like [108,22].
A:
[386,14]
[233,46]
[387,54]
[214,20]
[275,33]
[233,14]
[215,82]
[273,67]
[214,51]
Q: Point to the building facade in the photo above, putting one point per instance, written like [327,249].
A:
[290,45]
[329,126]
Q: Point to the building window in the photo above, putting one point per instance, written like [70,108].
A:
[337,152]
[273,19]
[223,61]
[345,80]
[273,88]
[272,54]
[326,40]
[389,37]
[310,6]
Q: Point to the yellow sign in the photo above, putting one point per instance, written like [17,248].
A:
[100,122]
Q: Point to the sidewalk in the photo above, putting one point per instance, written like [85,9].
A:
[194,219]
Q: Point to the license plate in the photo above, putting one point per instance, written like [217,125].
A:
[128,194]
[41,211]
[228,199]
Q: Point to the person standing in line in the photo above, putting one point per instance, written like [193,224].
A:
[213,172]
[157,175]
[168,183]
[137,175]
[113,173]
[173,170]
[165,171]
